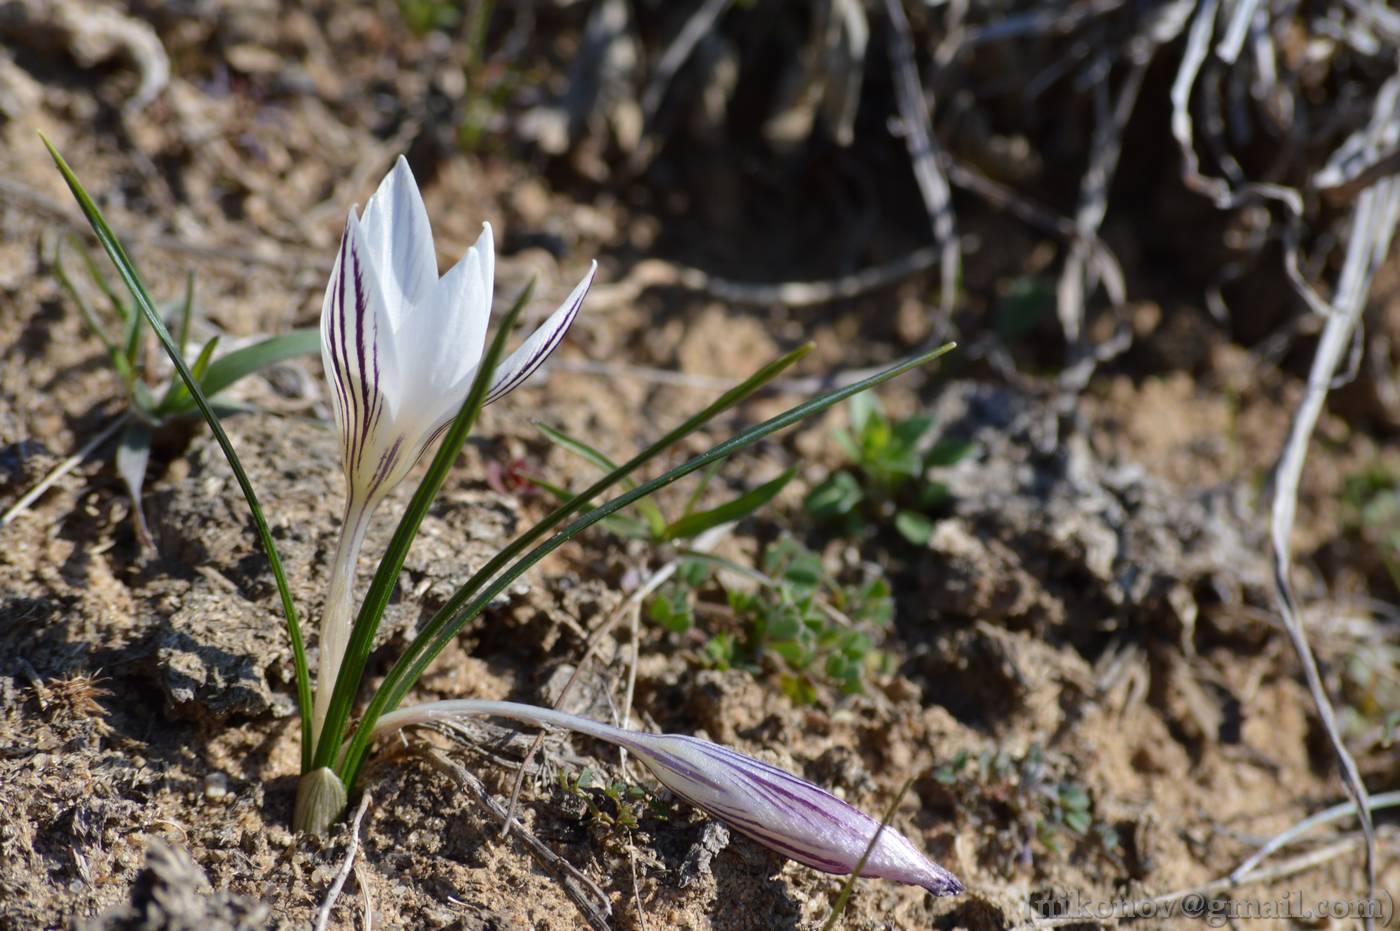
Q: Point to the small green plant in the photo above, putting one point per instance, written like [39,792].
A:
[1029,804]
[612,804]
[425,16]
[791,618]
[155,398]
[1371,510]
[887,481]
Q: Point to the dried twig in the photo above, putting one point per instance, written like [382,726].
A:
[323,915]
[1218,190]
[63,468]
[1326,816]
[924,153]
[1373,225]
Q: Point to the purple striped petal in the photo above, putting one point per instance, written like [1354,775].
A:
[357,351]
[790,815]
[522,363]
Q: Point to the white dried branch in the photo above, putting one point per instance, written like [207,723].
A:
[1372,228]
[323,915]
[925,154]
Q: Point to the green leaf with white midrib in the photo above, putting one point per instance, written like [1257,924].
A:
[441,630]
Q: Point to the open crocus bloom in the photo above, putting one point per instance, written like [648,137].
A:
[401,347]
[775,808]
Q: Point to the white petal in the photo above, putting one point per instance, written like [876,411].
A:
[357,349]
[442,342]
[399,242]
[521,364]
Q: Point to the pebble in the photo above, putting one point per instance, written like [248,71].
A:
[215,786]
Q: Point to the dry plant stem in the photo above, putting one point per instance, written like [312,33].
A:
[1075,282]
[591,901]
[637,891]
[63,468]
[924,154]
[323,915]
[1335,813]
[632,605]
[1373,225]
[1218,190]
[363,880]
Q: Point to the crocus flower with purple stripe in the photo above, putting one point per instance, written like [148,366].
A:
[401,347]
[794,817]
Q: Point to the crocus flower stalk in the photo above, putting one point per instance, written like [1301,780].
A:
[794,817]
[401,347]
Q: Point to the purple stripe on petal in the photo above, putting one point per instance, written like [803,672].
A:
[512,380]
[768,779]
[366,389]
[338,357]
[386,465]
[674,764]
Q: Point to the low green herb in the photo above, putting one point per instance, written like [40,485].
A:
[887,479]
[154,400]
[789,618]
[613,804]
[1028,804]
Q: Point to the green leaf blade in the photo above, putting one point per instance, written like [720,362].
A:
[692,525]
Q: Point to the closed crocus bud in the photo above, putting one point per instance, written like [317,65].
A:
[790,815]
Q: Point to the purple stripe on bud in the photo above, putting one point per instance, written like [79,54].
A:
[775,808]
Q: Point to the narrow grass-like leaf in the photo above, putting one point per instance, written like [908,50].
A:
[698,491]
[692,525]
[656,521]
[201,362]
[133,317]
[176,395]
[226,370]
[186,313]
[146,306]
[445,625]
[352,667]
[632,528]
[240,363]
[119,308]
[114,352]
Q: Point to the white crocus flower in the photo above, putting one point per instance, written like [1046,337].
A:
[401,347]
